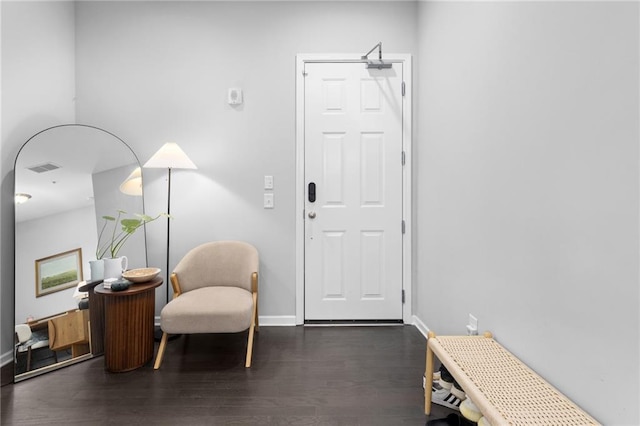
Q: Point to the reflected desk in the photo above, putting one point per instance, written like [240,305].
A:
[70,330]
[129,325]
[58,332]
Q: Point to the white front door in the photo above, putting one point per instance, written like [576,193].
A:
[353,192]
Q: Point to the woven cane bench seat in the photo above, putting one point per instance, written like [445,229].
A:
[506,391]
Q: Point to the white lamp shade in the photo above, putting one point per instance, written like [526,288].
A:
[132,185]
[170,156]
[22,198]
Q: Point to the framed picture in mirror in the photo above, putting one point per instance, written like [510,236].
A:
[58,272]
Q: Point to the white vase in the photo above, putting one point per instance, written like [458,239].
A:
[97,269]
[113,268]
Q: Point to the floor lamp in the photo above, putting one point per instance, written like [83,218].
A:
[170,156]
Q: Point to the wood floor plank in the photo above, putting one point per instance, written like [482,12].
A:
[299,376]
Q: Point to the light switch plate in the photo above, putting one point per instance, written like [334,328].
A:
[268,201]
[268,182]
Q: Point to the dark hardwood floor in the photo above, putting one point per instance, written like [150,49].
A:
[300,376]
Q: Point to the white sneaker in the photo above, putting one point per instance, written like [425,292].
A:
[444,384]
[444,397]
[469,410]
[436,377]
[457,392]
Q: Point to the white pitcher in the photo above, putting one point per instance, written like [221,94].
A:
[113,268]
[97,269]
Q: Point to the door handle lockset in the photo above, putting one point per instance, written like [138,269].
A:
[312,215]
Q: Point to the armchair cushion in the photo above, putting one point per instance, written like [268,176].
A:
[218,263]
[208,310]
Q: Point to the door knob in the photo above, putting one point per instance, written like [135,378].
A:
[312,215]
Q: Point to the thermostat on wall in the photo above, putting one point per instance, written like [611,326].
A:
[234,97]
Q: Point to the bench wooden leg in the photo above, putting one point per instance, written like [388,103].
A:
[428,377]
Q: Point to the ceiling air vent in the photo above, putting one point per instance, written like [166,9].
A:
[42,168]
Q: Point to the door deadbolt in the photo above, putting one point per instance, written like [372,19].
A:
[312,192]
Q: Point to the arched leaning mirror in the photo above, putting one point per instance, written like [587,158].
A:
[67,179]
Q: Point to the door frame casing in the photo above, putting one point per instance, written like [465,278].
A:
[407,135]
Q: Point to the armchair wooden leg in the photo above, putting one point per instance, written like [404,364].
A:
[256,319]
[252,329]
[247,364]
[163,345]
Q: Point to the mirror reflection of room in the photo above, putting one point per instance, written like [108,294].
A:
[72,176]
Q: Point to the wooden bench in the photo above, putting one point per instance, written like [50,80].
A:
[506,391]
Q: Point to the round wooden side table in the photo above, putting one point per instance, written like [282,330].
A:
[128,330]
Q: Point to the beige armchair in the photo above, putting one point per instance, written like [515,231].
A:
[215,289]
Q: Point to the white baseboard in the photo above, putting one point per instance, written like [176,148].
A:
[277,320]
[6,358]
[265,321]
[422,327]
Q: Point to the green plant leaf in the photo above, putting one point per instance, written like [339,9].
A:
[128,227]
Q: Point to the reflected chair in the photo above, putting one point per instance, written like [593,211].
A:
[26,341]
[215,288]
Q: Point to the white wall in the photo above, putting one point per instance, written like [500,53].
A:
[76,227]
[153,72]
[527,184]
[38,78]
